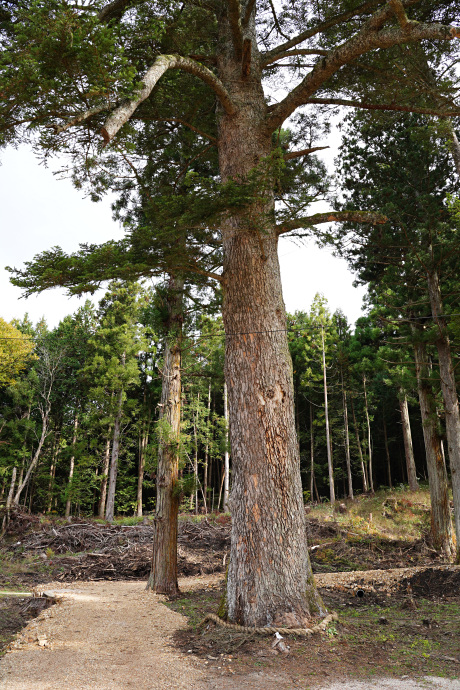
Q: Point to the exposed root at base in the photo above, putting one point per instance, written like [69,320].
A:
[301,632]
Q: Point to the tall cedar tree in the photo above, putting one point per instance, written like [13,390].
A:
[89,69]
[410,254]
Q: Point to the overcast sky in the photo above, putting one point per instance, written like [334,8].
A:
[38,211]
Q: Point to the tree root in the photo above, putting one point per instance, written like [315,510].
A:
[301,632]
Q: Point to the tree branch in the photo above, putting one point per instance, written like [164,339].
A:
[114,10]
[275,19]
[401,16]
[382,106]
[79,118]
[164,62]
[248,12]
[234,16]
[304,152]
[363,42]
[319,28]
[292,53]
[331,216]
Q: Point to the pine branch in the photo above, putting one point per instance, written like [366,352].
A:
[81,117]
[161,65]
[363,42]
[304,152]
[320,28]
[292,53]
[382,106]
[331,216]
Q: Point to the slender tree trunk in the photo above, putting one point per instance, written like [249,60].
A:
[408,447]
[347,436]
[449,394]
[369,438]
[441,523]
[143,443]
[163,576]
[110,505]
[387,450]
[326,416]
[71,469]
[105,474]
[45,416]
[9,501]
[52,473]
[206,474]
[312,455]
[360,451]
[226,455]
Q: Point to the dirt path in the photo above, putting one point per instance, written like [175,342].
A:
[103,636]
[113,635]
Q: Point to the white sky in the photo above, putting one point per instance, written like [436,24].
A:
[38,211]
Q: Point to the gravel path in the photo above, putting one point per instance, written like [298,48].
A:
[104,636]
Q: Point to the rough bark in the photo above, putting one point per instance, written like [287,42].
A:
[269,575]
[449,394]
[441,522]
[71,468]
[110,505]
[408,447]
[163,576]
[326,417]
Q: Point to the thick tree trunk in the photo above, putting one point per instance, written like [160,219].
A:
[441,523]
[105,474]
[408,447]
[71,468]
[269,576]
[449,394]
[328,435]
[163,576]
[110,505]
[227,455]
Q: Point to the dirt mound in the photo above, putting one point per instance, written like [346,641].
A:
[434,583]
